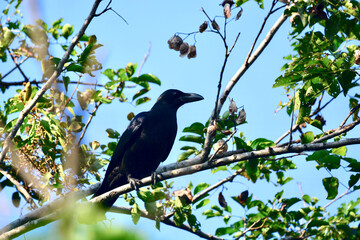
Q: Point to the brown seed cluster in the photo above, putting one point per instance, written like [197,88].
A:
[176,43]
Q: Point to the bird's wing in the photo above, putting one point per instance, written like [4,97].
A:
[113,176]
[128,138]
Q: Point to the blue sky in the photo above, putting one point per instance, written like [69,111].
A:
[154,22]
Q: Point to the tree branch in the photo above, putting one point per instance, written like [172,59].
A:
[48,84]
[220,161]
[238,75]
[20,188]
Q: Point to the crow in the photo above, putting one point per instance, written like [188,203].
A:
[146,143]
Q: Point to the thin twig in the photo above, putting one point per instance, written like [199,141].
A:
[18,65]
[97,105]
[350,113]
[144,60]
[259,33]
[251,228]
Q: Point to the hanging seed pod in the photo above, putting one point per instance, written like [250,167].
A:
[227,7]
[184,49]
[215,25]
[203,27]
[243,197]
[221,145]
[222,200]
[232,107]
[357,57]
[241,118]
[192,52]
[321,119]
[238,15]
[175,42]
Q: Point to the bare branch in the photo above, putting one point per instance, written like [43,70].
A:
[48,84]
[97,105]
[144,60]
[18,65]
[238,75]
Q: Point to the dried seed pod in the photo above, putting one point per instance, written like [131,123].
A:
[238,15]
[285,1]
[243,197]
[203,27]
[241,118]
[184,195]
[321,119]
[232,107]
[175,42]
[211,130]
[227,7]
[215,25]
[184,49]
[221,145]
[227,132]
[192,52]
[222,200]
[357,57]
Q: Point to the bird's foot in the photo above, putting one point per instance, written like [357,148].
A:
[134,183]
[154,178]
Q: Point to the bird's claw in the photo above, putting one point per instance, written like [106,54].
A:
[154,178]
[134,183]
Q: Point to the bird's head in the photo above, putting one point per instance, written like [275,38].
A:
[176,98]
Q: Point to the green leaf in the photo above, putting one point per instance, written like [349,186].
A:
[192,138]
[140,93]
[203,203]
[252,169]
[75,127]
[197,128]
[339,151]
[145,195]
[135,213]
[130,69]
[67,30]
[306,198]
[345,80]
[149,78]
[332,26]
[94,145]
[317,223]
[200,187]
[183,156]
[354,179]
[142,100]
[307,137]
[331,185]
[261,143]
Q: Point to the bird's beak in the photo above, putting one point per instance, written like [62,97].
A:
[190,97]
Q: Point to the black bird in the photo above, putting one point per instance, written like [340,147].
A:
[146,143]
